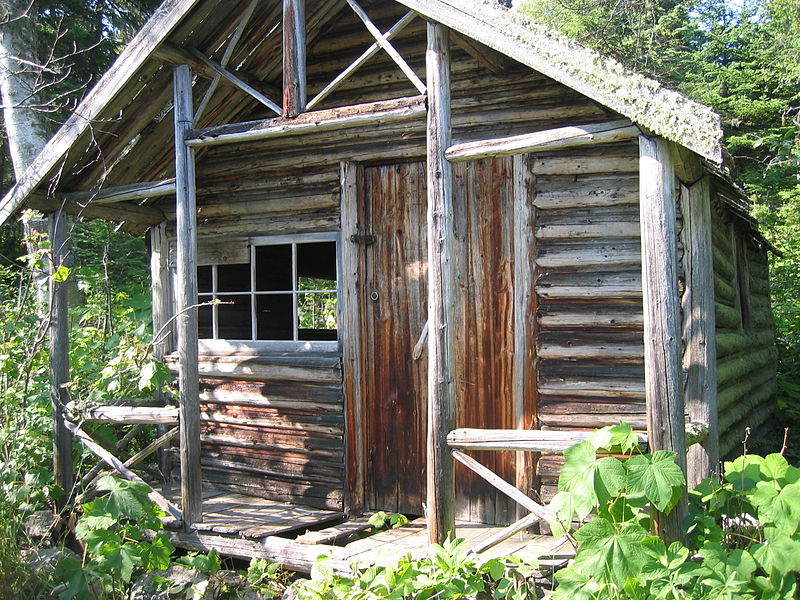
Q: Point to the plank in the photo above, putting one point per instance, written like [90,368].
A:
[550,139]
[359,115]
[662,333]
[131,415]
[531,440]
[186,297]
[123,193]
[333,535]
[441,291]
[129,212]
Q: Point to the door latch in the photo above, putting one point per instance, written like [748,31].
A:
[360,238]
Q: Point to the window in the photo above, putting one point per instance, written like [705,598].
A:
[286,292]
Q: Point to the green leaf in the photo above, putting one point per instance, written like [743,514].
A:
[781,508]
[126,499]
[574,584]
[120,561]
[774,467]
[744,472]
[102,541]
[61,274]
[156,554]
[737,562]
[592,481]
[608,554]
[781,554]
[146,376]
[654,476]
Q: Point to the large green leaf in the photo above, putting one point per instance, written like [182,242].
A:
[156,554]
[744,472]
[573,584]
[120,561]
[781,508]
[654,476]
[725,564]
[592,481]
[126,499]
[609,554]
[781,554]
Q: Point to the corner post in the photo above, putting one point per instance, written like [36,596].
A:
[294,57]
[188,379]
[662,333]
[699,333]
[59,355]
[441,289]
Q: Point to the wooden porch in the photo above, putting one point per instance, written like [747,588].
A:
[240,526]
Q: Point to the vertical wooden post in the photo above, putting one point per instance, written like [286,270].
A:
[662,335]
[161,290]
[441,288]
[188,380]
[350,333]
[59,356]
[294,57]
[700,352]
[523,286]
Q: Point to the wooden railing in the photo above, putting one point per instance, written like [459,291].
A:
[139,417]
[529,440]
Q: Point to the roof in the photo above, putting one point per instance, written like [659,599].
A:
[644,101]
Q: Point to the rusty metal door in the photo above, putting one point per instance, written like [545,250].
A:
[394,297]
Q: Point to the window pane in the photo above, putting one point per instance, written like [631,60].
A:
[204,279]
[316,266]
[274,268]
[274,317]
[316,314]
[233,320]
[233,278]
[204,330]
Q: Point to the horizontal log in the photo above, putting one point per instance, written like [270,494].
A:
[600,351]
[550,139]
[723,266]
[266,368]
[528,440]
[595,389]
[123,193]
[579,165]
[266,423]
[130,415]
[739,366]
[735,398]
[726,317]
[589,255]
[592,420]
[589,230]
[745,406]
[723,291]
[290,554]
[591,319]
[587,194]
[734,343]
[360,115]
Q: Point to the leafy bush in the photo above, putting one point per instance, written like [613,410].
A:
[743,538]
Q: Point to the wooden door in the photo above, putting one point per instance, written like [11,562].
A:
[394,305]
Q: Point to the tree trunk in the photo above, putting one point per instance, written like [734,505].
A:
[25,126]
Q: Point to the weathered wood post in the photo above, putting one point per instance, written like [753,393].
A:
[161,290]
[662,334]
[441,289]
[700,353]
[188,379]
[59,355]
[294,57]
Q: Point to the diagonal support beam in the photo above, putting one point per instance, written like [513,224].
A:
[236,81]
[381,40]
[356,64]
[237,34]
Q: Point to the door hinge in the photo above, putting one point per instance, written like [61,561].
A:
[366,239]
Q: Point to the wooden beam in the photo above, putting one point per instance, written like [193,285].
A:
[188,378]
[131,415]
[699,333]
[520,525]
[117,464]
[386,45]
[356,64]
[523,311]
[350,332]
[550,139]
[530,440]
[359,115]
[146,216]
[662,332]
[502,485]
[441,292]
[237,34]
[123,193]
[163,325]
[236,81]
[58,330]
[490,59]
[294,57]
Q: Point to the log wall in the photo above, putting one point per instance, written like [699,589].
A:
[746,354]
[587,278]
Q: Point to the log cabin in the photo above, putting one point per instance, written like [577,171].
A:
[385,232]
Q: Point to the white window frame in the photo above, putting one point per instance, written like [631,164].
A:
[230,346]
